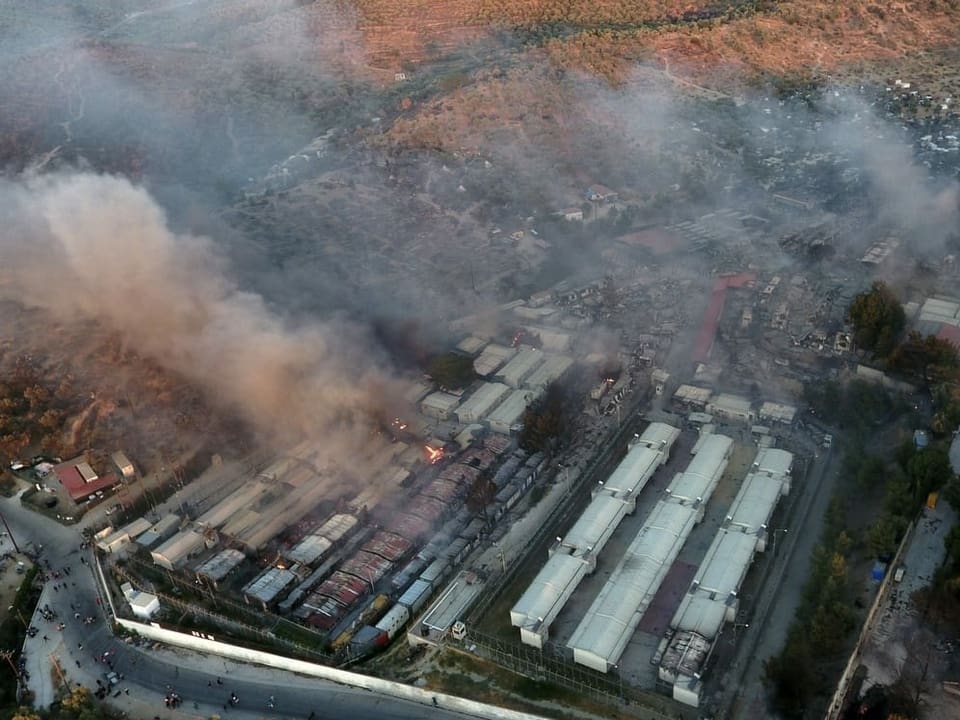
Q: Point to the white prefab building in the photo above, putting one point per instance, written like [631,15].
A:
[492,358]
[941,310]
[692,396]
[603,634]
[645,454]
[144,605]
[439,405]
[774,462]
[575,555]
[777,412]
[570,560]
[713,596]
[543,600]
[178,549]
[696,484]
[159,531]
[484,399]
[767,482]
[125,535]
[471,345]
[123,465]
[552,369]
[732,407]
[510,412]
[521,366]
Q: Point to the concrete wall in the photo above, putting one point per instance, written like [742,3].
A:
[385,687]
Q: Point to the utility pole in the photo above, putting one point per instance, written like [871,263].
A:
[8,656]
[10,533]
[56,666]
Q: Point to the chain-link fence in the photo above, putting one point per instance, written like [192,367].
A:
[243,620]
[550,665]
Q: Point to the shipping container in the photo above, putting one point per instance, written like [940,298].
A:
[394,620]
[416,596]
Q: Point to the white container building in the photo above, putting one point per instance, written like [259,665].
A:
[713,597]
[603,634]
[521,366]
[732,407]
[484,399]
[178,549]
[492,359]
[574,556]
[439,405]
[552,369]
[510,412]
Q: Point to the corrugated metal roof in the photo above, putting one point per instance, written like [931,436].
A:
[731,403]
[545,597]
[634,471]
[774,461]
[482,401]
[521,366]
[441,401]
[778,412]
[551,369]
[309,549]
[178,547]
[511,410]
[137,527]
[269,584]
[595,526]
[659,436]
[708,603]
[698,481]
[492,357]
[605,630]
[220,565]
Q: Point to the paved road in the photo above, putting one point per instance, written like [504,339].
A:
[806,531]
[149,674]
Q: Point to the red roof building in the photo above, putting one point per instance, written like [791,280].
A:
[950,333]
[711,317]
[76,486]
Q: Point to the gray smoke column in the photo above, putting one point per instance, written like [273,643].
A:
[94,247]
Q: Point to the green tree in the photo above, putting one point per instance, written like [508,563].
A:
[546,420]
[884,535]
[871,473]
[926,357]
[452,370]
[878,319]
[928,470]
[792,675]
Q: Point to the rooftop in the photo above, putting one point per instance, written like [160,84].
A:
[605,630]
[270,583]
[76,486]
[220,565]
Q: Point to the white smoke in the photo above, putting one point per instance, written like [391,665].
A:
[85,246]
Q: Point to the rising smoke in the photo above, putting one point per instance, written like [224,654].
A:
[96,247]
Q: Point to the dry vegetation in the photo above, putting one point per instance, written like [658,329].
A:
[69,388]
[796,37]
[840,40]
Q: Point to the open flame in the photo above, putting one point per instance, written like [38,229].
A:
[434,455]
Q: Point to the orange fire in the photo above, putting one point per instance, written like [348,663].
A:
[434,455]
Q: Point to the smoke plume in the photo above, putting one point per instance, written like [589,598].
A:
[85,246]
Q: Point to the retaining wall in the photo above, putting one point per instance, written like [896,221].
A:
[384,687]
